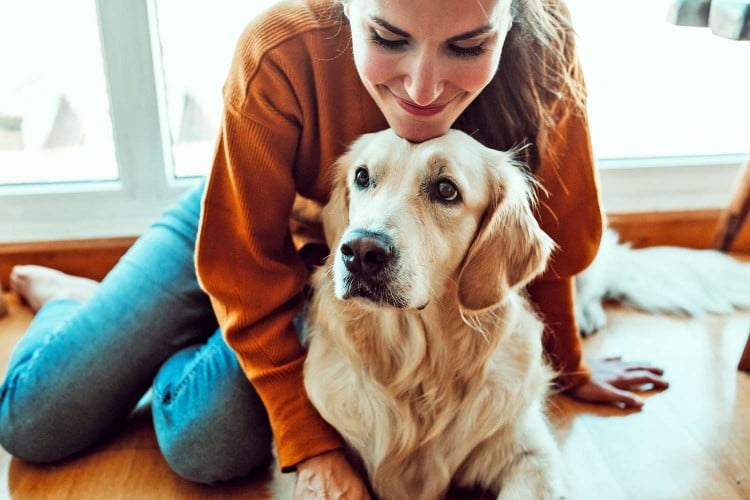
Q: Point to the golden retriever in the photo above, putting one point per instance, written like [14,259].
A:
[423,352]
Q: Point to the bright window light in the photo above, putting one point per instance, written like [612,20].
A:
[54,111]
[659,90]
[197,40]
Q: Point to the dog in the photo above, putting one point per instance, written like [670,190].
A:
[662,279]
[423,353]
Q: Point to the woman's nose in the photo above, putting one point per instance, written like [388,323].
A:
[423,80]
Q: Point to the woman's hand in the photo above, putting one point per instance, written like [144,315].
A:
[612,380]
[329,476]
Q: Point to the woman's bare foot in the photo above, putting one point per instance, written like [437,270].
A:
[37,285]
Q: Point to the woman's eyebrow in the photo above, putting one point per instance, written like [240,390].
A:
[472,34]
[463,36]
[385,24]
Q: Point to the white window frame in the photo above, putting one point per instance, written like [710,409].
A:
[49,212]
[127,207]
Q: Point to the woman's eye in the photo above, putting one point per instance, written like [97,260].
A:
[362,177]
[472,51]
[447,191]
[388,43]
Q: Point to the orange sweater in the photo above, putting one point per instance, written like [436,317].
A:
[293,102]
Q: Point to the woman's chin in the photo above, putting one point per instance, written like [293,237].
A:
[418,132]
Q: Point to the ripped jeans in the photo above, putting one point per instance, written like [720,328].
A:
[81,368]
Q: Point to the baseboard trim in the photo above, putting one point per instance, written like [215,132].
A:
[690,229]
[92,258]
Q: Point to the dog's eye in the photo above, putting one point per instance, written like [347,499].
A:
[447,191]
[362,177]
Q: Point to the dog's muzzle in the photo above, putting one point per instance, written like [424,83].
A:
[369,258]
[367,254]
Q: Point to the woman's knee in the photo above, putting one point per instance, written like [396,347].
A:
[210,423]
[219,455]
[60,394]
[34,432]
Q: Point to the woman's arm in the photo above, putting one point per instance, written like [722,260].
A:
[246,260]
[570,212]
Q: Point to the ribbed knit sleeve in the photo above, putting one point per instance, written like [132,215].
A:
[247,263]
[569,211]
[245,257]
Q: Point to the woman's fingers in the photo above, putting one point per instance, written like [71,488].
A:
[643,366]
[603,393]
[640,377]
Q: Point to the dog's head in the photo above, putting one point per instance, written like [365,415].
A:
[407,221]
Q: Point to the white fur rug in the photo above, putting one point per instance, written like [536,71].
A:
[664,279]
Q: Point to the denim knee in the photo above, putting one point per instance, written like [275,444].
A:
[32,433]
[61,394]
[198,458]
[210,423]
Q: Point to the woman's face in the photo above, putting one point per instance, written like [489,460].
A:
[424,61]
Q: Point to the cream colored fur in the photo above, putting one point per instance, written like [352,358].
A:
[661,279]
[439,380]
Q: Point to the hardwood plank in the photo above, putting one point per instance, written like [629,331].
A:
[586,470]
[4,474]
[685,432]
[691,441]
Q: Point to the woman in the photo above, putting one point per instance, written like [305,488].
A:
[307,78]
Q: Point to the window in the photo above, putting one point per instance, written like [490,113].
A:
[197,40]
[668,106]
[54,114]
[658,90]
[109,109]
[142,81]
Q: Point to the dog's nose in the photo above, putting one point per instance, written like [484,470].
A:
[366,253]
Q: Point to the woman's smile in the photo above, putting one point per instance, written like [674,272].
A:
[417,110]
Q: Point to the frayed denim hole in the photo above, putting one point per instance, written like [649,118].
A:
[166,396]
[171,394]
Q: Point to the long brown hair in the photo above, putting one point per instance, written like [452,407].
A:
[538,78]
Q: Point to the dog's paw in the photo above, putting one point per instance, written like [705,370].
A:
[591,318]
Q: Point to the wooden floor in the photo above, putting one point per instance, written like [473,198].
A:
[691,441]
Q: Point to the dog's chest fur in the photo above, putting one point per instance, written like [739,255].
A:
[414,401]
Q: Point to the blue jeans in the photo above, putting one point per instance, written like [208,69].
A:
[81,368]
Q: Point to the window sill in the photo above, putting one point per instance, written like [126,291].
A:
[636,186]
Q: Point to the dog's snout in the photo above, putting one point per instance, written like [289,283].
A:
[366,253]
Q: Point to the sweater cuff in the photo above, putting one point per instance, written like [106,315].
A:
[554,300]
[570,380]
[299,431]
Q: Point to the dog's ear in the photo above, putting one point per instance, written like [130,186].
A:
[510,248]
[335,213]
